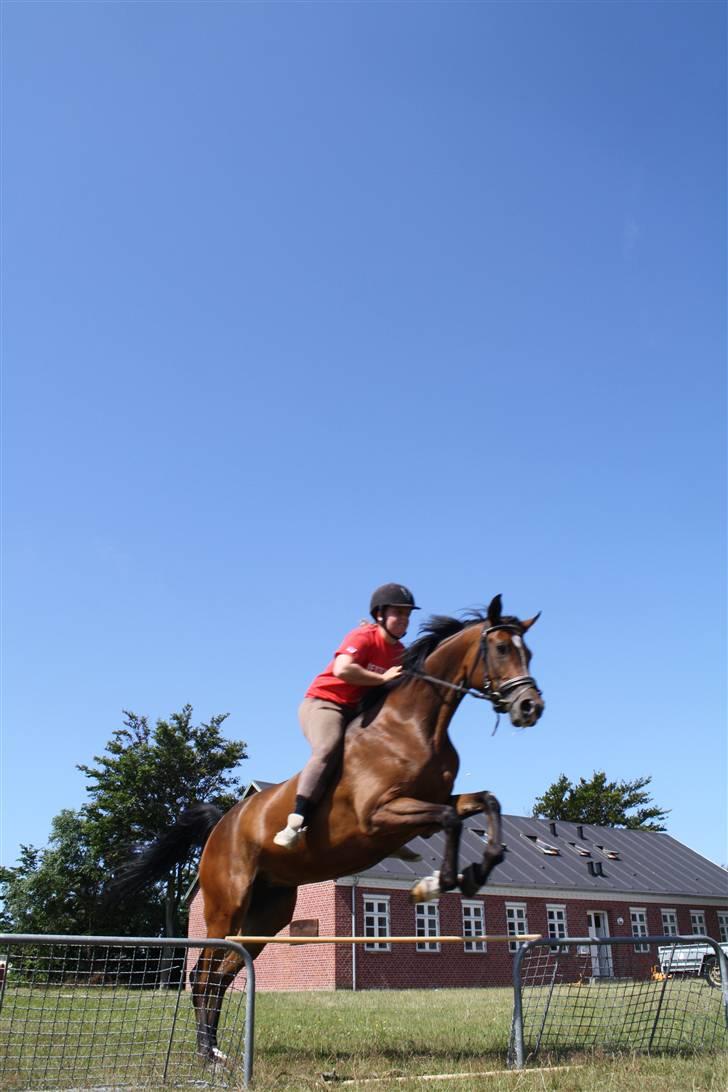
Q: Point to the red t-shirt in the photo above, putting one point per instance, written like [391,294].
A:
[367,648]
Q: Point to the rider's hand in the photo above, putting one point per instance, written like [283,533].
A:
[391,673]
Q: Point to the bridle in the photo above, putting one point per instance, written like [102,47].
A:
[501,697]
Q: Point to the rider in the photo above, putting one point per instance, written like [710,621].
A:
[368,656]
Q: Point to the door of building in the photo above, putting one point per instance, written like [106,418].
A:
[601,954]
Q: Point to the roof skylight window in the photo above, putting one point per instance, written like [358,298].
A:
[581,850]
[545,847]
[610,854]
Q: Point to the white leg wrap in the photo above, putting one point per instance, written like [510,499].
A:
[427,888]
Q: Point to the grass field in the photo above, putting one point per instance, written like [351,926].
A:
[397,1034]
[319,1040]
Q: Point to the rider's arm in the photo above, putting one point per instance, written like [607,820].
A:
[345,668]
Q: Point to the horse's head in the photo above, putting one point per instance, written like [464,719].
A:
[505,661]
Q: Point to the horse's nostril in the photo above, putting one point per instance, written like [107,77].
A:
[527,706]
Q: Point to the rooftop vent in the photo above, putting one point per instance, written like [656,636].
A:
[595,868]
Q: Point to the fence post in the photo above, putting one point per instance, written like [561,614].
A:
[516,1059]
[180,987]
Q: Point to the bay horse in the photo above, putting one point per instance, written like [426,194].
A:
[395,783]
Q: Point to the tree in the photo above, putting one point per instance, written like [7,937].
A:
[54,890]
[147,778]
[137,789]
[602,803]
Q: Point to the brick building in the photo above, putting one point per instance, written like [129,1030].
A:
[558,879]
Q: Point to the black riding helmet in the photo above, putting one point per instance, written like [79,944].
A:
[391,595]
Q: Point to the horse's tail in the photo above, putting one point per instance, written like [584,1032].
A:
[193,828]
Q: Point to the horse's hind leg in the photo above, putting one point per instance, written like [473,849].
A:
[225,906]
[216,974]
[474,876]
[215,970]
[269,910]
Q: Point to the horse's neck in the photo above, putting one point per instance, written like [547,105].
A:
[452,661]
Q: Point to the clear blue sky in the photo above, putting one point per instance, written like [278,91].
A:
[301,298]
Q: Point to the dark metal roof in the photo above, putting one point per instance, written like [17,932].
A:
[646,861]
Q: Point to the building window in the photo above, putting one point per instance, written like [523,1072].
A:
[556,920]
[516,922]
[427,924]
[723,926]
[669,923]
[697,923]
[376,921]
[473,926]
[638,917]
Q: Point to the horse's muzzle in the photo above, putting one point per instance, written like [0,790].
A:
[526,709]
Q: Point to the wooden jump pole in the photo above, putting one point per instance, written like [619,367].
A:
[487,939]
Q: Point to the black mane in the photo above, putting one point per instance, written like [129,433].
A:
[431,634]
[436,630]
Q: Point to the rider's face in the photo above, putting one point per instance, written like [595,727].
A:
[396,620]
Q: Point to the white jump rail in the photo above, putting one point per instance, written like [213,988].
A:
[522,938]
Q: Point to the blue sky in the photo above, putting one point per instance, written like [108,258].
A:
[303,298]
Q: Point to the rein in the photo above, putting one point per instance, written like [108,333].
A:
[498,697]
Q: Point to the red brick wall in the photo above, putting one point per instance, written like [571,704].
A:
[294,967]
[325,967]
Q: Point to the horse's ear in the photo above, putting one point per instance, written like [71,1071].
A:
[495,610]
[527,624]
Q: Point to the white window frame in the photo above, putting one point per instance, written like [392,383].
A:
[638,919]
[669,923]
[476,908]
[427,924]
[556,923]
[697,923]
[723,926]
[373,919]
[516,922]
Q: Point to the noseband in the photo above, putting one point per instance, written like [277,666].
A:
[502,697]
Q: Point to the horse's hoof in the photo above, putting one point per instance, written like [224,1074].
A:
[218,1055]
[426,889]
[469,882]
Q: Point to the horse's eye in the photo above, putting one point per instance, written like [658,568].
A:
[501,649]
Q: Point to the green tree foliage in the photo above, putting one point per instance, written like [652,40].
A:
[137,789]
[602,803]
[54,890]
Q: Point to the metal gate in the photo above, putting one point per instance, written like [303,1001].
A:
[82,1011]
[660,994]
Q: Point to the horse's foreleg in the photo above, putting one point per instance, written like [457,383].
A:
[475,875]
[409,816]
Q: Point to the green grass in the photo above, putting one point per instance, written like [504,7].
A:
[395,1034]
[317,1040]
